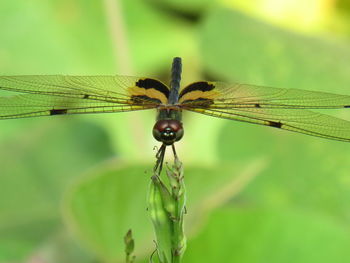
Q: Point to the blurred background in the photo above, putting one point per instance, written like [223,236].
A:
[70,187]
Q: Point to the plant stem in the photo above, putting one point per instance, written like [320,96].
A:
[167,208]
[129,247]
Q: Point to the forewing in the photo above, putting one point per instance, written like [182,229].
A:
[237,95]
[54,95]
[279,108]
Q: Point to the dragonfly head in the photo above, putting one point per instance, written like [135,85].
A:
[168,131]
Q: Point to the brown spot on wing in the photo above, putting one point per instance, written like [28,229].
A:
[275,124]
[58,111]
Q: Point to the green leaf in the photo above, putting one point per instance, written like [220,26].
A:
[193,7]
[34,176]
[103,205]
[252,51]
[170,36]
[258,235]
[304,171]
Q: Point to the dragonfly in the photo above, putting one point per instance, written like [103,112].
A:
[286,109]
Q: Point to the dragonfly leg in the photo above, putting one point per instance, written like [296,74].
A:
[160,159]
[174,151]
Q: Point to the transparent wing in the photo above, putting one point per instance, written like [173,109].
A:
[29,105]
[302,121]
[238,95]
[280,108]
[53,95]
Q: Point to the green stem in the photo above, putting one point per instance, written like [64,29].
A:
[167,208]
[176,181]
[129,247]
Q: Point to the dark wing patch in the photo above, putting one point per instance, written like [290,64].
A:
[142,99]
[275,124]
[58,111]
[200,102]
[150,90]
[197,86]
[199,93]
[153,84]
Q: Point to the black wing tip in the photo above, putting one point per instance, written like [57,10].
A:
[347,106]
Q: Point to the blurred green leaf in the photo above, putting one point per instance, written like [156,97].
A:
[159,38]
[33,177]
[304,171]
[102,206]
[57,37]
[184,7]
[258,235]
[252,51]
[39,158]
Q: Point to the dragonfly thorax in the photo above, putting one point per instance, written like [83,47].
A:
[168,131]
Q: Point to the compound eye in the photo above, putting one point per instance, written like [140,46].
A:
[176,126]
[157,134]
[159,129]
[168,131]
[179,134]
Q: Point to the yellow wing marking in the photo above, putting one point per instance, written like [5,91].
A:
[199,91]
[194,95]
[146,88]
